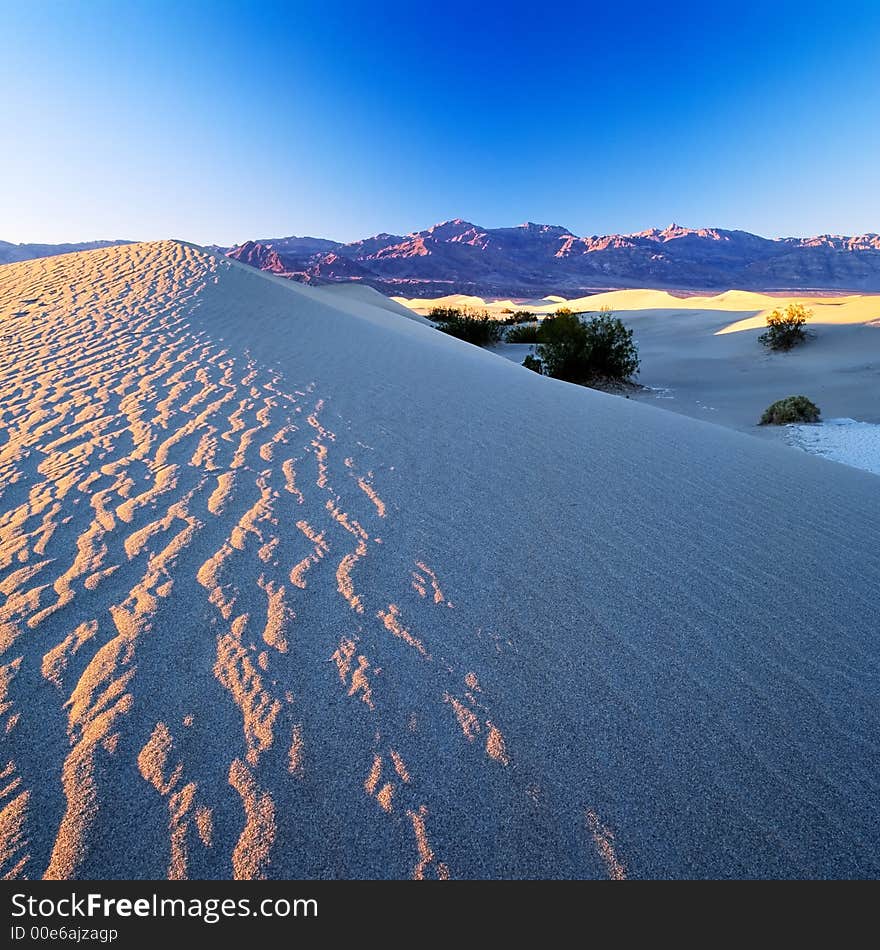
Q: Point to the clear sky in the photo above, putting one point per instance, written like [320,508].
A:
[222,121]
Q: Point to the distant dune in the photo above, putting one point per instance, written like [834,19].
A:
[843,309]
[297,587]
[701,357]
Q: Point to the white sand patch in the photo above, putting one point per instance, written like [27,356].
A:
[660,392]
[841,440]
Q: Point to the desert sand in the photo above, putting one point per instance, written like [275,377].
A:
[701,356]
[708,363]
[295,586]
[827,309]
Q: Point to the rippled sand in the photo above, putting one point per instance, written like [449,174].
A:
[282,597]
[136,443]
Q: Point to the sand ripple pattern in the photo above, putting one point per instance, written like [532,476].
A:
[184,542]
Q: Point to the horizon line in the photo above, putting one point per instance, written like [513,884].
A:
[454,220]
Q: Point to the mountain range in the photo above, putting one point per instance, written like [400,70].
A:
[531,260]
[458,256]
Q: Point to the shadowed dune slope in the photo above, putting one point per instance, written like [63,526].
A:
[371,297]
[293,586]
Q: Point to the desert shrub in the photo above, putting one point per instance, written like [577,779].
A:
[785,330]
[790,409]
[533,363]
[523,333]
[562,348]
[602,349]
[475,327]
[613,353]
[441,314]
[445,314]
[511,317]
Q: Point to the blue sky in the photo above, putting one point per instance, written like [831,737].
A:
[223,121]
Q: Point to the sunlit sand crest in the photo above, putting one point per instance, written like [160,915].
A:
[171,470]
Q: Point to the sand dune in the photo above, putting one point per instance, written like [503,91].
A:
[696,368]
[367,295]
[294,586]
[700,355]
[833,310]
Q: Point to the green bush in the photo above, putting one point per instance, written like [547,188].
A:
[613,354]
[474,327]
[445,314]
[785,330]
[531,362]
[523,333]
[511,317]
[600,350]
[790,409]
[562,348]
[440,314]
